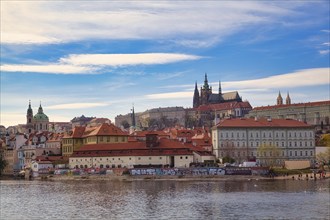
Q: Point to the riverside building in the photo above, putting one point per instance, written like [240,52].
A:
[242,139]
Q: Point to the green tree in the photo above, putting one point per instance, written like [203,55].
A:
[3,162]
[268,154]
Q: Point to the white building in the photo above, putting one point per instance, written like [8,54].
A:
[241,140]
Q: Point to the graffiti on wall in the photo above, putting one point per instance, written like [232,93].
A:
[177,171]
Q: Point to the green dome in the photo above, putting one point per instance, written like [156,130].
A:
[40,116]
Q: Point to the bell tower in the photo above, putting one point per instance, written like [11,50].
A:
[29,119]
[288,99]
[279,99]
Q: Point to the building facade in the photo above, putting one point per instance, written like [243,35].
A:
[243,140]
[313,113]
[104,133]
[38,122]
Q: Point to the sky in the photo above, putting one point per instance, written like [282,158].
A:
[99,58]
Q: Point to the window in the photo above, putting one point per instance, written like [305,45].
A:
[160,158]
[180,157]
[306,153]
[301,153]
[290,153]
[295,153]
[139,158]
[186,157]
[130,158]
[311,153]
[150,158]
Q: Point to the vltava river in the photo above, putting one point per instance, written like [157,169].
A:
[165,199]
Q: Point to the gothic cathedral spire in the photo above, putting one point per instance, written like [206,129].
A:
[206,84]
[196,97]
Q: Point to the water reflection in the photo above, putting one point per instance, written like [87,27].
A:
[164,199]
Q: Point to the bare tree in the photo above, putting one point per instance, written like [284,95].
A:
[268,154]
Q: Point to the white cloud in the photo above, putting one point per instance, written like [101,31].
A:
[126,59]
[39,22]
[170,95]
[300,78]
[92,63]
[324,52]
[76,106]
[50,68]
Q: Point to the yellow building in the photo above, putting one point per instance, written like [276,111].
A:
[104,133]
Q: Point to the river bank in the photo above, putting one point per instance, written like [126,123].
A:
[172,177]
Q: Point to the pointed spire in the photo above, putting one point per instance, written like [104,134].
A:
[196,97]
[288,99]
[279,99]
[40,111]
[29,111]
[206,84]
[220,90]
[133,117]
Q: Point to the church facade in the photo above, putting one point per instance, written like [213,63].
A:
[206,96]
[37,122]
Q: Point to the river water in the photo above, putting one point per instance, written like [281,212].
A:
[165,199]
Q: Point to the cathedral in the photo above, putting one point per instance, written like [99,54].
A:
[38,122]
[206,96]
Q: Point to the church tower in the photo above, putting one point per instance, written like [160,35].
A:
[206,91]
[279,99]
[133,118]
[29,119]
[220,92]
[196,97]
[288,99]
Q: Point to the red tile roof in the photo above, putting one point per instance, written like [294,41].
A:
[165,147]
[249,122]
[306,104]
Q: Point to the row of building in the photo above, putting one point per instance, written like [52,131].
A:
[107,146]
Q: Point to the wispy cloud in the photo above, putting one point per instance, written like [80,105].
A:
[44,22]
[324,52]
[115,60]
[93,63]
[170,95]
[76,106]
[49,68]
[300,78]
[165,76]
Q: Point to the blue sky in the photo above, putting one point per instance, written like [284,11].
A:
[98,58]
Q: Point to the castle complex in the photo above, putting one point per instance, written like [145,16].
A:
[206,96]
